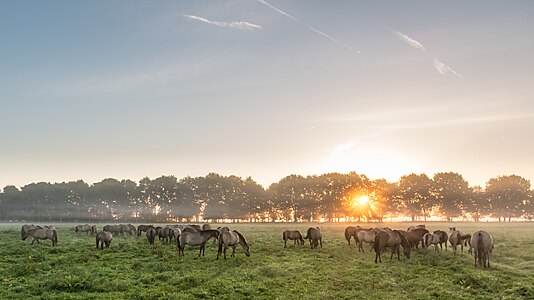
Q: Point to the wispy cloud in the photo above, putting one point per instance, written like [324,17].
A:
[410,41]
[243,25]
[308,26]
[444,69]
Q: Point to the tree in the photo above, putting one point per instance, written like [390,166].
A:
[508,196]
[450,191]
[414,194]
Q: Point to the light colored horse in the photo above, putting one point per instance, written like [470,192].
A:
[41,234]
[195,239]
[457,238]
[393,239]
[83,228]
[367,236]
[482,243]
[431,239]
[293,235]
[232,239]
[443,238]
[24,230]
[103,237]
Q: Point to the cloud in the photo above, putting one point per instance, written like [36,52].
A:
[308,26]
[242,25]
[410,41]
[444,69]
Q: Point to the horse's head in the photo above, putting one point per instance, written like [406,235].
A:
[247,250]
[451,229]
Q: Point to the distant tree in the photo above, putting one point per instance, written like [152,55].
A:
[10,204]
[450,191]
[384,200]
[508,196]
[478,204]
[415,195]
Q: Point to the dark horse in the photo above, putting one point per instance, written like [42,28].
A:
[195,239]
[292,235]
[352,231]
[393,239]
[315,237]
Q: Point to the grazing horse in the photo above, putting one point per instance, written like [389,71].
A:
[482,243]
[143,228]
[414,236]
[315,237]
[293,235]
[232,239]
[365,235]
[41,234]
[195,239]
[421,226]
[431,239]
[223,229]
[352,231]
[93,229]
[443,238]
[112,228]
[83,228]
[393,239]
[103,237]
[151,235]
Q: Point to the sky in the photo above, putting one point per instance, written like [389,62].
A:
[128,89]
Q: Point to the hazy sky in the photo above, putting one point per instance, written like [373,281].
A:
[127,89]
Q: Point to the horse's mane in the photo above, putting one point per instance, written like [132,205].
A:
[404,241]
[241,237]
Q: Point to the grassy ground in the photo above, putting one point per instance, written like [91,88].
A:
[133,269]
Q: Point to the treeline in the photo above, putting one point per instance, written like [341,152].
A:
[329,197]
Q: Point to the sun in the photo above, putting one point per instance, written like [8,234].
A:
[363,200]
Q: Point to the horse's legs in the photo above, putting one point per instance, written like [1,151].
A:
[225,247]
[462,247]
[233,252]
[285,243]
[321,241]
[476,259]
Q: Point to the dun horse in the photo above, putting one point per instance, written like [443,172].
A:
[293,235]
[232,239]
[84,228]
[151,235]
[443,238]
[414,236]
[195,239]
[41,234]
[367,236]
[393,239]
[143,228]
[431,239]
[315,237]
[352,231]
[482,244]
[457,238]
[103,237]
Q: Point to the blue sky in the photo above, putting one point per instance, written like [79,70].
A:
[128,89]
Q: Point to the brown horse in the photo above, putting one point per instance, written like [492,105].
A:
[457,238]
[143,228]
[352,231]
[315,237]
[482,243]
[431,239]
[293,235]
[414,236]
[393,239]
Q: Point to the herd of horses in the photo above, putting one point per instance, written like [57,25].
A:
[480,243]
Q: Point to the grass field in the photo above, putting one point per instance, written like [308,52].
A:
[133,269]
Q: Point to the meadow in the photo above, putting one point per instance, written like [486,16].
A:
[133,269]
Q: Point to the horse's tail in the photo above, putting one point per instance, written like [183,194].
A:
[480,245]
[221,242]
[376,247]
[283,235]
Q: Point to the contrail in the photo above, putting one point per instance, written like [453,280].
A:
[234,24]
[410,41]
[443,68]
[309,27]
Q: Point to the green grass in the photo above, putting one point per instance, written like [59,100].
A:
[133,269]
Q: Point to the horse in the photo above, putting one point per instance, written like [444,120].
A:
[232,239]
[151,235]
[394,240]
[206,227]
[292,235]
[421,226]
[195,226]
[457,238]
[176,232]
[195,239]
[414,236]
[24,230]
[143,228]
[41,234]
[443,238]
[103,237]
[164,234]
[431,239]
[131,229]
[223,229]
[365,235]
[83,228]
[93,229]
[482,243]
[112,228]
[352,231]
[315,237]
